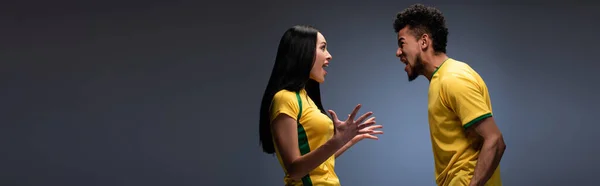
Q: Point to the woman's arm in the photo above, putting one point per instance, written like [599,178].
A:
[343,149]
[285,133]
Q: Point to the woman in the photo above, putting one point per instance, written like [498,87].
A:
[293,123]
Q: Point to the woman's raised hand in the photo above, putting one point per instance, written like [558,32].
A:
[348,129]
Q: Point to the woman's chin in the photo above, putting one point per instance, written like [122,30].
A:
[320,80]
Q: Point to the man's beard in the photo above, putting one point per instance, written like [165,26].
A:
[416,69]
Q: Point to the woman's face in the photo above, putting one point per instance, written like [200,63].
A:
[322,58]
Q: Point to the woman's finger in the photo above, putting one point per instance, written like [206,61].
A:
[371,136]
[333,115]
[353,114]
[374,127]
[363,117]
[365,125]
[376,132]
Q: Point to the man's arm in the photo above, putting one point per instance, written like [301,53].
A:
[467,98]
[491,151]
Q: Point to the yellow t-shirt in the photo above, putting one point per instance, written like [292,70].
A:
[458,97]
[314,129]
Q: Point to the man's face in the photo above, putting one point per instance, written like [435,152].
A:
[409,52]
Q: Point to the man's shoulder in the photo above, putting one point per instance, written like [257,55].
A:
[457,72]
[458,67]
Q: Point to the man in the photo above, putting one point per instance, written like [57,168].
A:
[467,144]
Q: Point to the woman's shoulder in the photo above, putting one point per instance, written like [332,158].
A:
[285,95]
[286,102]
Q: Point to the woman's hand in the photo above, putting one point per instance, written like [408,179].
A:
[368,132]
[350,129]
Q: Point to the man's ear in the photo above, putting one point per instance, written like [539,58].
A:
[424,41]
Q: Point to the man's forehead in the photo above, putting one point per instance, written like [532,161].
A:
[405,32]
[401,34]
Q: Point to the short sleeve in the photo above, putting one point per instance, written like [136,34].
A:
[284,102]
[464,95]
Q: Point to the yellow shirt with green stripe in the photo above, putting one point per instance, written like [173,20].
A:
[458,98]
[314,130]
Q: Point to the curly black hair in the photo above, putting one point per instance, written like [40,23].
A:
[422,19]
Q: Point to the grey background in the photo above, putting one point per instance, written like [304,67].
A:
[117,93]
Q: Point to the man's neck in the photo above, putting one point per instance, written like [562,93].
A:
[432,63]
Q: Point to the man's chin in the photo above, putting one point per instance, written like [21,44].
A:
[412,77]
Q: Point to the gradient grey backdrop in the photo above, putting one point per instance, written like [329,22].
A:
[119,93]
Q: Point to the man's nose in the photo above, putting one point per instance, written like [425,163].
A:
[398,52]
